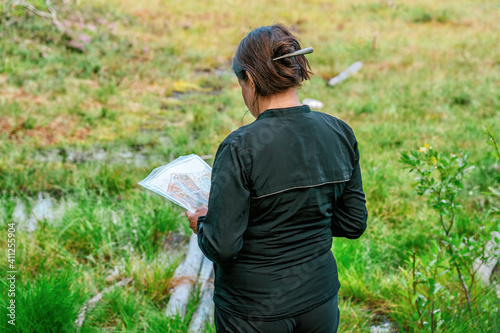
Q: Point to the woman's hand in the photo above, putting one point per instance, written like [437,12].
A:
[193,217]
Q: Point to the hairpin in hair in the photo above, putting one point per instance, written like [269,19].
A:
[296,53]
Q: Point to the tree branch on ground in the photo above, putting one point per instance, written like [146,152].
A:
[94,300]
[51,14]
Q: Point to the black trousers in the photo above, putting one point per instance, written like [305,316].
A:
[322,319]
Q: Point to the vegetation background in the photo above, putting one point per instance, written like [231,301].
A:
[130,85]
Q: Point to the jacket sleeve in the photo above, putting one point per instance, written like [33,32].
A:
[220,232]
[350,214]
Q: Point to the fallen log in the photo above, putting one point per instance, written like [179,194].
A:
[491,254]
[346,73]
[184,279]
[204,311]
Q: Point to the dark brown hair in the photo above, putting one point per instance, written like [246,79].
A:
[256,52]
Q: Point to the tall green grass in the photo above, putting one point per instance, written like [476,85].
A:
[47,303]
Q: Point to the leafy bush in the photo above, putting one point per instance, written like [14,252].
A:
[430,285]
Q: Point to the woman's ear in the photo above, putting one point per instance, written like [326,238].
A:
[250,80]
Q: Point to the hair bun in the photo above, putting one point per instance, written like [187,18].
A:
[255,55]
[284,47]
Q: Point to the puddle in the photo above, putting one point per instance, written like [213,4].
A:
[383,325]
[78,156]
[19,215]
[44,208]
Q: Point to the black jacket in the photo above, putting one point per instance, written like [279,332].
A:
[282,186]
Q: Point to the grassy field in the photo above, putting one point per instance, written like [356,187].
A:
[154,83]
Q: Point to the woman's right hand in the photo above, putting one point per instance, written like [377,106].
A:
[193,218]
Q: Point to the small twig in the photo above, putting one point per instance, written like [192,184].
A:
[415,288]
[450,247]
[374,42]
[441,219]
[452,220]
[493,141]
[460,276]
[408,289]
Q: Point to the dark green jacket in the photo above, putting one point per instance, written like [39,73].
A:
[282,186]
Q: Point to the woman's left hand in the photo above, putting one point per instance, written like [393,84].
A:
[193,217]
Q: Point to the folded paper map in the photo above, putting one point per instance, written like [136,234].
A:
[184,181]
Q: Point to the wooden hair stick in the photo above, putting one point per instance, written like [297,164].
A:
[296,53]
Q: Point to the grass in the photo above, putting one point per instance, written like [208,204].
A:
[155,81]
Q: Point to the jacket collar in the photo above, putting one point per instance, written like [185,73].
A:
[284,111]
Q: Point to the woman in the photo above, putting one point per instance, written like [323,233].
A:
[282,186]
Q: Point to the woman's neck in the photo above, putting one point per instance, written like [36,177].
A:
[285,99]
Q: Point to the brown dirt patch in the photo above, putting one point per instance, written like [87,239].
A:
[61,129]
[5,125]
[18,94]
